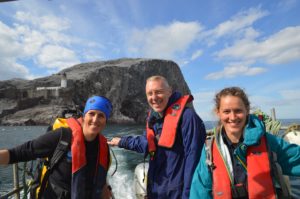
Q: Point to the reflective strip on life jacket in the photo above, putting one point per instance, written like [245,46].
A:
[221,180]
[78,147]
[260,184]
[171,120]
[259,172]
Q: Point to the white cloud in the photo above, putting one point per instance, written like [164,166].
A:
[164,41]
[293,96]
[186,61]
[92,55]
[43,23]
[9,44]
[285,105]
[110,13]
[264,103]
[10,49]
[204,97]
[196,54]
[238,26]
[287,5]
[54,23]
[31,40]
[282,47]
[236,69]
[238,22]
[204,105]
[52,56]
[10,69]
[39,30]
[39,38]
[61,38]
[250,33]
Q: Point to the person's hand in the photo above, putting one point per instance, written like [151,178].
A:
[107,192]
[114,142]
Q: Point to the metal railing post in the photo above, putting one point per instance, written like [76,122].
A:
[16,180]
[273,114]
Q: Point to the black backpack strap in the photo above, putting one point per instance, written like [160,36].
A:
[61,149]
[60,192]
[208,149]
[277,171]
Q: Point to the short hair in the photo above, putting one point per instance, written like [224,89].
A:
[158,78]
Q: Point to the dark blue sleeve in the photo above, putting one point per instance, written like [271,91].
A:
[135,143]
[193,134]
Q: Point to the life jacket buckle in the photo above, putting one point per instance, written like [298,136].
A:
[239,191]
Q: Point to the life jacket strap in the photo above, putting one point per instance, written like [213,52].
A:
[208,150]
[279,176]
[171,121]
[239,191]
[172,117]
[61,149]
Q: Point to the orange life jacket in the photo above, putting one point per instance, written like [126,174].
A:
[78,147]
[260,184]
[171,120]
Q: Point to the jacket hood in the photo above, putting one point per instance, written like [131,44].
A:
[253,131]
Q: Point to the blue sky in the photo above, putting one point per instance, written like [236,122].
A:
[252,44]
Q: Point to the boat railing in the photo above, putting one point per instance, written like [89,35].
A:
[17,187]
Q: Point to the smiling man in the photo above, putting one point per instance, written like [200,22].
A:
[174,137]
[82,170]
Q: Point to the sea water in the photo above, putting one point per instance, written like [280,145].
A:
[125,160]
[121,181]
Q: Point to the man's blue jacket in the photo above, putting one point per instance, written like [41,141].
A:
[171,170]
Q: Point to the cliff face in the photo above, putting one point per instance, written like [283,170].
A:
[122,81]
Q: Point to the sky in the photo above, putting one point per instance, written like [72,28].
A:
[218,43]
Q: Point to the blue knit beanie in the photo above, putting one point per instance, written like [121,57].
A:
[99,103]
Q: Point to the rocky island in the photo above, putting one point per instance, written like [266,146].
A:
[39,101]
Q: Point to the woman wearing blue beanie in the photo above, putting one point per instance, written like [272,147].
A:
[82,169]
[95,115]
[99,103]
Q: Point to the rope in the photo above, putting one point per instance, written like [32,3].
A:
[293,127]
[116,161]
[272,126]
[24,180]
[27,172]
